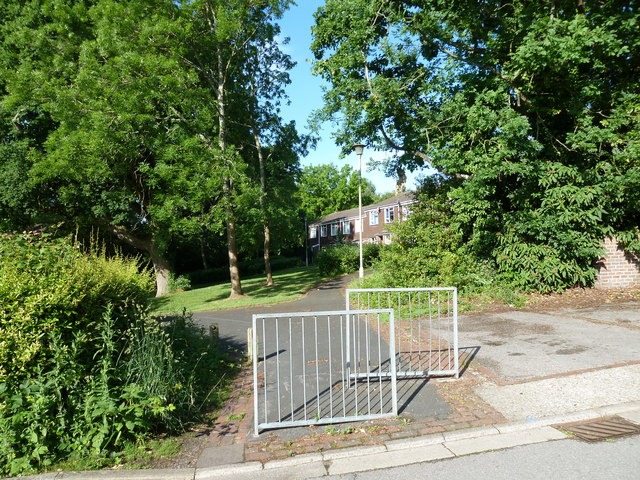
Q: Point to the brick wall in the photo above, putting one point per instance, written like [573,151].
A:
[617,269]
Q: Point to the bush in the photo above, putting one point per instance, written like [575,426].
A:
[83,369]
[345,258]
[428,251]
[179,283]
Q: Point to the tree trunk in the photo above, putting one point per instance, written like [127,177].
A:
[161,265]
[203,255]
[263,208]
[234,271]
[267,254]
[163,271]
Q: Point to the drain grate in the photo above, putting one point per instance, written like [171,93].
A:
[601,429]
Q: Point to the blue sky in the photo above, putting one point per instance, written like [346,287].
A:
[305,93]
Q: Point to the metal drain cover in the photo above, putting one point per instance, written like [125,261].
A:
[601,429]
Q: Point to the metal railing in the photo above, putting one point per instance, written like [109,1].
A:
[426,327]
[302,361]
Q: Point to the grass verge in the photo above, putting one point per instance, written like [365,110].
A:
[289,285]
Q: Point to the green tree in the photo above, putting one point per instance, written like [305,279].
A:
[529,109]
[228,39]
[113,93]
[123,116]
[324,189]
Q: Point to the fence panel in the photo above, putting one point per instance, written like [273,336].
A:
[426,327]
[302,361]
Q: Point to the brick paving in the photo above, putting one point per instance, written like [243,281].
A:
[235,422]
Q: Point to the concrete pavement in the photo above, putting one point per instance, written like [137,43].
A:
[388,455]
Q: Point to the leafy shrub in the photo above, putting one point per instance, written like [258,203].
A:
[345,258]
[84,370]
[179,283]
[428,251]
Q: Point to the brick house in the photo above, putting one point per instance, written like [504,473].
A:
[343,225]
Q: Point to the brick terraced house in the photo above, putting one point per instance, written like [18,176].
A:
[343,225]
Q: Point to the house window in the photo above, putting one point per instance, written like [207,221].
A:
[373,218]
[346,227]
[323,230]
[312,232]
[357,226]
[405,212]
[334,229]
[388,215]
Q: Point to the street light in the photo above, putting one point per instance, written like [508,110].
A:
[359,148]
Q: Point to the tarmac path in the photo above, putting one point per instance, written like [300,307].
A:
[233,324]
[416,397]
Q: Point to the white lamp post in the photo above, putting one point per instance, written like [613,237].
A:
[359,148]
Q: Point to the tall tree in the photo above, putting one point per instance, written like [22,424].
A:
[277,163]
[227,37]
[529,109]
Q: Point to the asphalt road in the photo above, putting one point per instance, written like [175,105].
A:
[416,397]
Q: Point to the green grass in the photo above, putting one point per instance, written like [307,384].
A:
[289,285]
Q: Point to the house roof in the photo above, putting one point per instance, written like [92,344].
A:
[404,197]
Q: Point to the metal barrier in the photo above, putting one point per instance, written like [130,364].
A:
[426,327]
[301,365]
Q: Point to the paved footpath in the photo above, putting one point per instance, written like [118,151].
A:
[522,373]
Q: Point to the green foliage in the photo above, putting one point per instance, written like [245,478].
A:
[110,119]
[179,283]
[324,189]
[529,110]
[83,370]
[345,258]
[49,287]
[427,250]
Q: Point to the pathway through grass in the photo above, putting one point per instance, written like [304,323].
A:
[289,285]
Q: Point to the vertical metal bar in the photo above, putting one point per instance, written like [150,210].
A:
[348,344]
[430,333]
[368,353]
[399,331]
[291,367]
[342,367]
[439,336]
[420,330]
[264,364]
[449,327]
[315,326]
[392,356]
[356,364]
[410,332]
[455,332]
[329,337]
[380,362]
[255,375]
[278,367]
[304,372]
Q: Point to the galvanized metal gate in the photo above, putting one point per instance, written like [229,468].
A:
[426,327]
[323,367]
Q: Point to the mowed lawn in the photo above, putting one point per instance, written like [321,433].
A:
[289,285]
